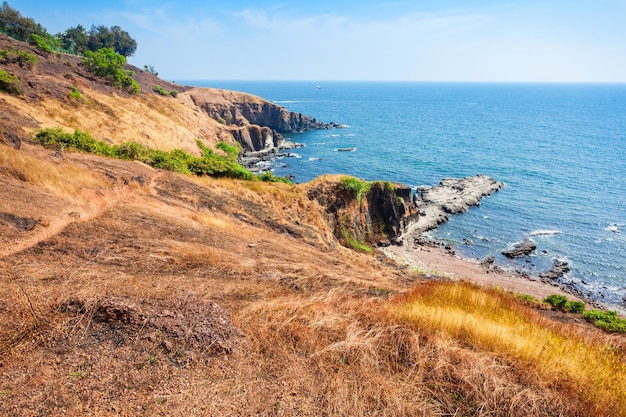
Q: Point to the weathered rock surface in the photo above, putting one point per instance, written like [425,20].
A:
[255,123]
[520,250]
[559,268]
[451,196]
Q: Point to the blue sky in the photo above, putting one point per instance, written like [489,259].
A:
[445,40]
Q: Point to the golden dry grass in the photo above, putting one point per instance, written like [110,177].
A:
[494,323]
[63,180]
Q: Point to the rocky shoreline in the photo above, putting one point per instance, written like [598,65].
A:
[456,195]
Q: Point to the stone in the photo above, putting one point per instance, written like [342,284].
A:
[559,268]
[520,250]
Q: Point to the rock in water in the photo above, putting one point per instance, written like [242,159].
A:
[520,250]
[451,196]
[559,268]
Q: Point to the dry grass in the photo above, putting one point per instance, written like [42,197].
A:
[319,339]
[587,365]
[63,180]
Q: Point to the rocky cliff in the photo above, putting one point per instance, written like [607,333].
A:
[382,213]
[255,123]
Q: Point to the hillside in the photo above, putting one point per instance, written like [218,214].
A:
[126,290]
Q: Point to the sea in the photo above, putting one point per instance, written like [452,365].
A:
[560,149]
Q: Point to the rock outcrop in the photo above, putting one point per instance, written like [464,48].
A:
[255,123]
[380,216]
[559,268]
[451,196]
[520,250]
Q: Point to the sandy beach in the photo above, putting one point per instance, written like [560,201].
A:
[436,262]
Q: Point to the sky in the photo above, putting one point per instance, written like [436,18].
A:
[364,40]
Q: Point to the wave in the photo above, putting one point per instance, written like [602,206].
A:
[613,227]
[315,159]
[545,232]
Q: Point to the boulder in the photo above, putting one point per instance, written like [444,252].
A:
[520,250]
[559,268]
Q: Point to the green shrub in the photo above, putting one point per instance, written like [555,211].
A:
[132,151]
[162,91]
[80,141]
[575,307]
[164,160]
[43,43]
[177,160]
[76,95]
[231,150]
[174,93]
[607,320]
[107,63]
[356,186]
[9,83]
[557,301]
[15,56]
[151,70]
[268,176]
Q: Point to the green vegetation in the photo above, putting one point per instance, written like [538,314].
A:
[19,57]
[162,91]
[560,302]
[349,238]
[231,150]
[356,186]
[178,160]
[43,42]
[151,70]
[607,320]
[13,24]
[75,40]
[270,177]
[9,83]
[76,95]
[109,64]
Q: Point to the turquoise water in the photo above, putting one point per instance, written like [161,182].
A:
[560,149]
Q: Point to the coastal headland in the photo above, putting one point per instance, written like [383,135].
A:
[143,271]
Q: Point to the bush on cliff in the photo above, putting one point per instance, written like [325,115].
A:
[9,83]
[107,63]
[19,57]
[356,186]
[177,160]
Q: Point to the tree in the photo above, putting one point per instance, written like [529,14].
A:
[74,39]
[15,25]
[124,44]
[115,38]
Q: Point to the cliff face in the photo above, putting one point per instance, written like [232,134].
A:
[383,213]
[255,123]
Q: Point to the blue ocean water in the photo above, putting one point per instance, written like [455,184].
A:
[559,148]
